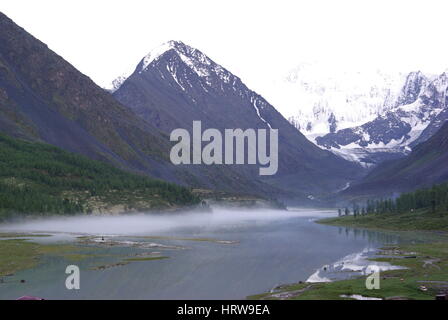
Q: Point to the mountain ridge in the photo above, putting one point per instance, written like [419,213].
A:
[419,111]
[194,86]
[423,167]
[44,98]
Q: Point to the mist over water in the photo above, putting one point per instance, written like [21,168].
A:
[257,250]
[139,224]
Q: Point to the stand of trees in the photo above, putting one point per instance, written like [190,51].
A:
[435,199]
[39,178]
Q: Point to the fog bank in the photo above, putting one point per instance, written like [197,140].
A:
[160,223]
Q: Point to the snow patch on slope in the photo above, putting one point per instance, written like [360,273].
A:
[156,53]
[257,109]
[319,98]
[193,58]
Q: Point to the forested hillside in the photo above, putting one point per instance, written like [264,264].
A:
[435,198]
[423,209]
[37,178]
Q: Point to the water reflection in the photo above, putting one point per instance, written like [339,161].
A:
[389,237]
[268,248]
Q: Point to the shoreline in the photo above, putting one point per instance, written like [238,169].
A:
[418,271]
[422,273]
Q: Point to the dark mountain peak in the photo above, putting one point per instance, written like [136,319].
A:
[181,63]
[414,76]
[192,57]
[155,54]
[177,44]
[176,53]
[415,82]
[435,92]
[441,81]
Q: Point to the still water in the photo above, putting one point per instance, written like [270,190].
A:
[262,249]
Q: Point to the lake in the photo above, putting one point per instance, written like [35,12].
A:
[226,254]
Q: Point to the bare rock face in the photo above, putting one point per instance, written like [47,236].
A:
[420,110]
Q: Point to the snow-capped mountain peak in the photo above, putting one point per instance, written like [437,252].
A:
[175,85]
[197,61]
[415,82]
[189,55]
[419,111]
[361,113]
[190,71]
[320,97]
[155,53]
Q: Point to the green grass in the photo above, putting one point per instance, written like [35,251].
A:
[20,254]
[403,283]
[17,255]
[418,220]
[37,178]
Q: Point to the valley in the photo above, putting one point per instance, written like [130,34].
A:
[255,159]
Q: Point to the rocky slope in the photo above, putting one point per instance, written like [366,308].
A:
[419,111]
[44,98]
[424,166]
[175,84]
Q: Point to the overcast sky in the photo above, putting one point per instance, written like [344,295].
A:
[253,39]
